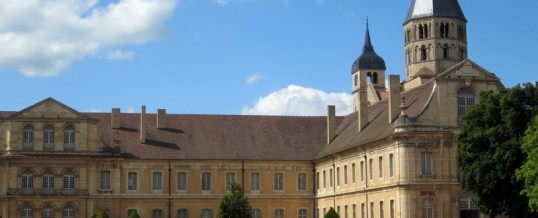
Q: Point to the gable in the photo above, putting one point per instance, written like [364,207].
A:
[468,70]
[48,108]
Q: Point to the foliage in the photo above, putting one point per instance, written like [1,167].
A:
[529,171]
[234,204]
[489,149]
[133,214]
[331,214]
[101,214]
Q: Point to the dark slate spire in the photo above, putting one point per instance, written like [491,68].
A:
[434,8]
[368,59]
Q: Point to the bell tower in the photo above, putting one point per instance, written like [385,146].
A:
[435,37]
[368,69]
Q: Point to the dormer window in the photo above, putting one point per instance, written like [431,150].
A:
[69,138]
[28,138]
[48,138]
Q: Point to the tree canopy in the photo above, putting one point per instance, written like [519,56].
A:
[101,214]
[331,214]
[490,150]
[133,214]
[529,171]
[234,204]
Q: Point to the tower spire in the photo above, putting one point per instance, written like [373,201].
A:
[368,59]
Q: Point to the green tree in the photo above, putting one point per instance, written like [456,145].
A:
[529,171]
[101,214]
[133,214]
[331,214]
[489,150]
[234,204]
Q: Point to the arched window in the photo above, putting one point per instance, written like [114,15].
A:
[374,78]
[27,180]
[48,138]
[68,212]
[423,55]
[69,138]
[425,31]
[48,180]
[445,51]
[356,80]
[28,138]
[420,32]
[427,208]
[27,212]
[69,180]
[468,208]
[466,99]
[47,212]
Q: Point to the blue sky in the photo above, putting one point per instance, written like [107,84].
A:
[228,56]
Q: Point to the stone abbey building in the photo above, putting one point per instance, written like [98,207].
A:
[394,156]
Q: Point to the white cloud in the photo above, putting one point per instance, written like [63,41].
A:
[118,55]
[251,80]
[300,101]
[40,37]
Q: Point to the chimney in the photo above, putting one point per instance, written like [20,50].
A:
[394,97]
[115,119]
[362,99]
[161,118]
[143,124]
[331,123]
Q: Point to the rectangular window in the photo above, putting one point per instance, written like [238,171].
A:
[156,213]
[278,182]
[256,213]
[362,171]
[354,211]
[345,174]
[426,163]
[132,181]
[338,176]
[427,208]
[230,178]
[345,212]
[392,209]
[48,181]
[391,165]
[69,180]
[301,181]
[206,181]
[372,213]
[371,168]
[324,179]
[303,213]
[105,181]
[182,213]
[207,213]
[182,181]
[353,180]
[331,178]
[279,213]
[338,210]
[381,167]
[157,181]
[255,181]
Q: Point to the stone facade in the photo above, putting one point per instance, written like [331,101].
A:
[394,156]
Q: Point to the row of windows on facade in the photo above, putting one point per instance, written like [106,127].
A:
[47,212]
[423,53]
[28,139]
[427,210]
[48,179]
[426,170]
[205,182]
[208,213]
[422,31]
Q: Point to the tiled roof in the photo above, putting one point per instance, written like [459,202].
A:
[218,136]
[378,127]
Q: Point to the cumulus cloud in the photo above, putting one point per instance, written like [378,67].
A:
[118,55]
[300,101]
[251,80]
[42,37]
